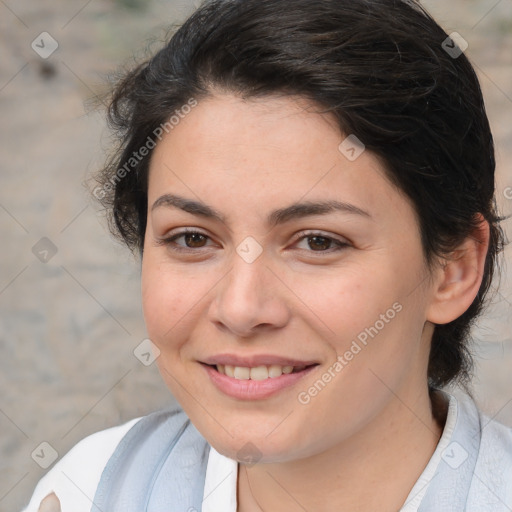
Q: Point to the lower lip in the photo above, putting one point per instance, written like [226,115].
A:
[248,389]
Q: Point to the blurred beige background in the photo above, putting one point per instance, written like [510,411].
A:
[69,325]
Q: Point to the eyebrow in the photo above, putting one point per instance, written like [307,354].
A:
[279,216]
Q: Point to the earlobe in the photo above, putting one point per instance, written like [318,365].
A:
[460,277]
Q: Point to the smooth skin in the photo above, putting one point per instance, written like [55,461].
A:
[50,504]
[362,442]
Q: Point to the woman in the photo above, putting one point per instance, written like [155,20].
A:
[310,186]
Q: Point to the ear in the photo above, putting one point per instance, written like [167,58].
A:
[460,276]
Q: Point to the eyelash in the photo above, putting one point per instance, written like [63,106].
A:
[169,241]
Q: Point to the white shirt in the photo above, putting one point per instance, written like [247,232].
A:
[220,488]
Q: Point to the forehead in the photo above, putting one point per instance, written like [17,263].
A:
[261,152]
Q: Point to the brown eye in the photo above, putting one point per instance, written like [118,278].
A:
[193,240]
[319,243]
[313,242]
[189,240]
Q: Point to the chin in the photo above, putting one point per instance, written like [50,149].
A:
[254,446]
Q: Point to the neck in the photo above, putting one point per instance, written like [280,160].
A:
[373,470]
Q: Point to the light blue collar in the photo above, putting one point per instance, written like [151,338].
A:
[160,466]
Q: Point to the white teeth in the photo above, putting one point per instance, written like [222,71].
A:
[242,373]
[261,372]
[275,370]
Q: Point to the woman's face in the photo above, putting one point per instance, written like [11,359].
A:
[276,280]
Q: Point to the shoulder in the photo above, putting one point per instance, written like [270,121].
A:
[491,485]
[161,460]
[75,477]
[493,471]
[495,437]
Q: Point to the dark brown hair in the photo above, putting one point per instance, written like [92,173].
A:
[383,68]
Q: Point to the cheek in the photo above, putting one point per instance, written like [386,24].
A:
[165,301]
[346,302]
[169,316]
[174,303]
[370,318]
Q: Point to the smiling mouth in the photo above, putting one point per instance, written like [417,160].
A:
[260,372]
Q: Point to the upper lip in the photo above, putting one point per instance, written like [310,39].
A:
[255,360]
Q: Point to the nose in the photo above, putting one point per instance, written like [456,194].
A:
[250,299]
